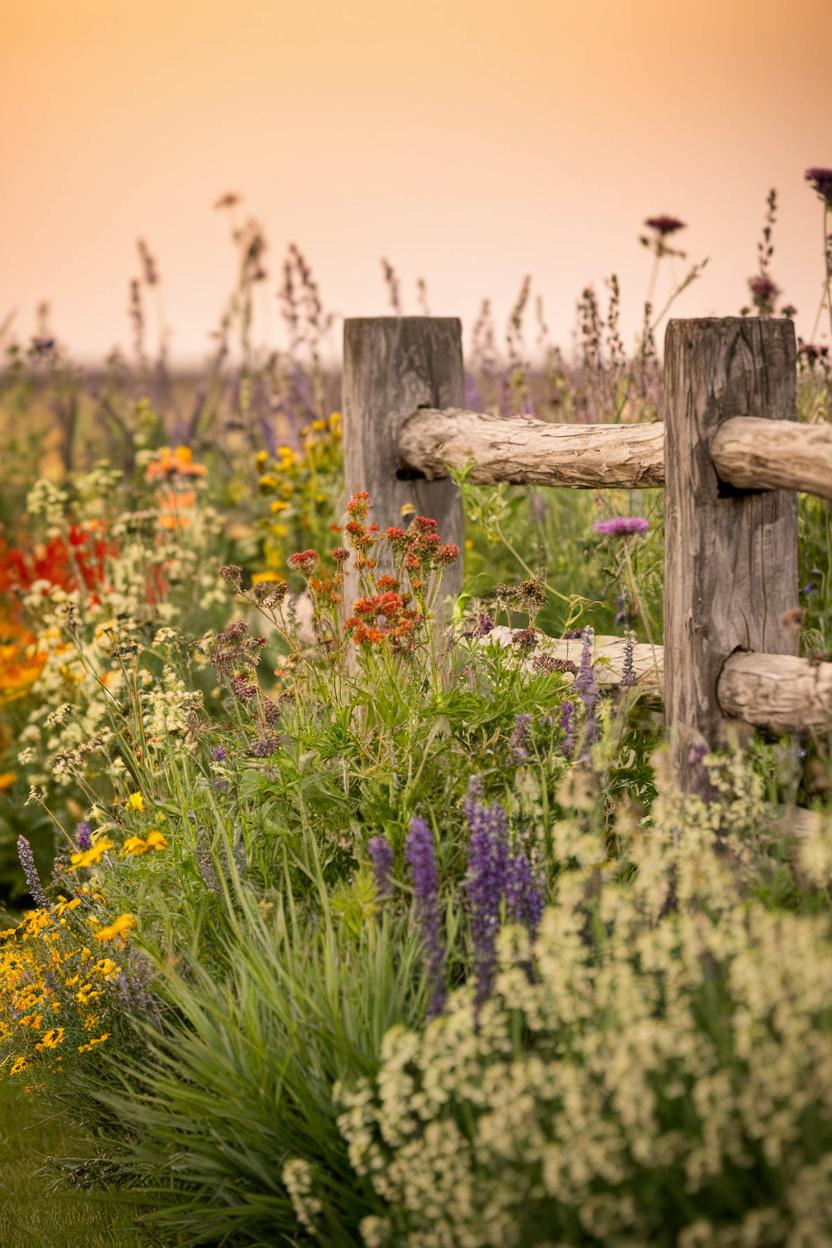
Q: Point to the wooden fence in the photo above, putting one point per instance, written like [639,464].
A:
[728,453]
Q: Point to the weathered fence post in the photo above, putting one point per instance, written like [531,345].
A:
[392,366]
[730,555]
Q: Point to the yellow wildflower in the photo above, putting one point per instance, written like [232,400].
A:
[261,459]
[85,1048]
[135,845]
[119,927]
[19,1065]
[7,779]
[106,967]
[89,857]
[51,1039]
[156,840]
[277,505]
[135,802]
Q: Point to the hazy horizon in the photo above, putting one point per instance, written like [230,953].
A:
[469,144]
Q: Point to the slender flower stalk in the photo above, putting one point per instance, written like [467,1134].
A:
[567,723]
[421,856]
[30,871]
[381,855]
[485,885]
[587,688]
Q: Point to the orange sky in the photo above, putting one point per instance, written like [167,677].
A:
[471,141]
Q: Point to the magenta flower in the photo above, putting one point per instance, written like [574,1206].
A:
[665,225]
[764,293]
[821,180]
[618,526]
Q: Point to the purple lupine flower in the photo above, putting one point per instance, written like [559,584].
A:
[381,853]
[83,835]
[821,180]
[628,671]
[30,871]
[220,754]
[421,856]
[619,526]
[809,588]
[567,723]
[485,884]
[524,896]
[520,736]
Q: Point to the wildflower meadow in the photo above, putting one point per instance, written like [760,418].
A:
[339,908]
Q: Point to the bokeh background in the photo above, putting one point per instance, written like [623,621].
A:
[470,141]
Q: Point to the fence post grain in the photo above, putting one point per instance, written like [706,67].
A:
[730,555]
[392,366]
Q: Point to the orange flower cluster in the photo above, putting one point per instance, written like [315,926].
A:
[383,617]
[171,464]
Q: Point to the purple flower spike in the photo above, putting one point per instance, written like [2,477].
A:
[524,896]
[421,856]
[485,885]
[519,738]
[30,870]
[83,835]
[620,526]
[381,854]
[567,723]
[587,688]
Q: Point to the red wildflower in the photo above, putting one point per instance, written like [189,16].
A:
[304,561]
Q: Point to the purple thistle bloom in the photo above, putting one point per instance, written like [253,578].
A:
[264,746]
[421,856]
[619,526]
[524,896]
[520,736]
[220,754]
[381,853]
[567,723]
[764,293]
[485,884]
[665,225]
[83,835]
[821,180]
[27,862]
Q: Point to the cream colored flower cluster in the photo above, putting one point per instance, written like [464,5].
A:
[656,1069]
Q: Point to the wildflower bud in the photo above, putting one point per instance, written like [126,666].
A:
[232,575]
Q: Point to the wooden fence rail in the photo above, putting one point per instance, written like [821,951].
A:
[728,453]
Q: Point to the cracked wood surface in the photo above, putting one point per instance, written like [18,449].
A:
[520,449]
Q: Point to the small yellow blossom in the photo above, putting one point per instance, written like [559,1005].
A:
[85,1048]
[156,840]
[51,1039]
[107,967]
[89,857]
[18,1066]
[7,779]
[119,927]
[135,802]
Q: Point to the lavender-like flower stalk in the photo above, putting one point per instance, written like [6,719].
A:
[381,854]
[587,688]
[485,884]
[421,856]
[30,871]
[519,738]
[83,835]
[567,723]
[628,671]
[524,896]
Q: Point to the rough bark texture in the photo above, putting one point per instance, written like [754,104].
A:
[778,692]
[750,453]
[774,691]
[730,557]
[393,365]
[519,449]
